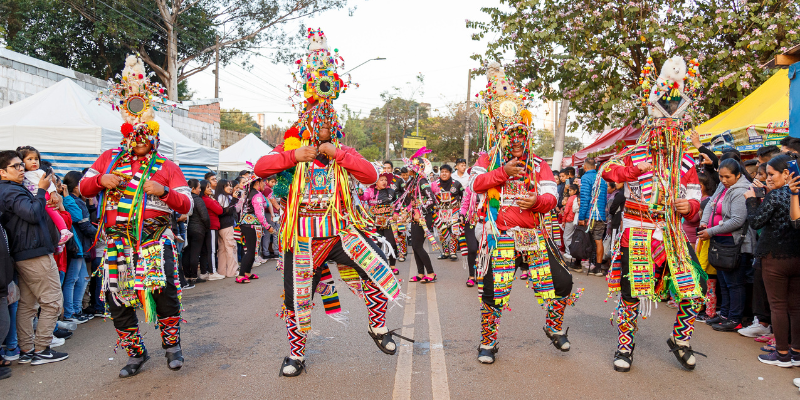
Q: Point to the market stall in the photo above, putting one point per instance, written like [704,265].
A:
[607,144]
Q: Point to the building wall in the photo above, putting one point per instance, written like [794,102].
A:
[228,138]
[22,76]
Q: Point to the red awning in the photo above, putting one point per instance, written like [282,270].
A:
[629,134]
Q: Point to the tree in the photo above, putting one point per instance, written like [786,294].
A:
[179,38]
[544,140]
[445,133]
[184,92]
[273,134]
[236,120]
[591,52]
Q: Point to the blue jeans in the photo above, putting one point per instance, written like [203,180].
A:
[732,284]
[74,286]
[97,281]
[11,338]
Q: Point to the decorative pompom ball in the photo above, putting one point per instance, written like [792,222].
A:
[494,203]
[527,117]
[281,189]
[292,133]
[126,129]
[153,127]
[493,194]
[291,143]
[306,135]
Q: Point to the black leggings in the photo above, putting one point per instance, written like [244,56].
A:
[472,248]
[388,234]
[251,247]
[167,303]
[191,253]
[760,302]
[562,279]
[418,244]
[336,255]
[208,256]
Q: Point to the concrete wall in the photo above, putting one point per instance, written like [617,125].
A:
[22,76]
[228,138]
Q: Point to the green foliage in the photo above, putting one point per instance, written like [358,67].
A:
[235,120]
[184,93]
[545,143]
[591,52]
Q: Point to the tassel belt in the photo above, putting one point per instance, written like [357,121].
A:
[642,212]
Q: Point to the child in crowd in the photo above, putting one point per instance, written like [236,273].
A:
[570,214]
[32,159]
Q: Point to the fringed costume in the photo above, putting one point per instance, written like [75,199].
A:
[380,206]
[448,201]
[468,242]
[417,203]
[509,235]
[139,266]
[324,219]
[652,259]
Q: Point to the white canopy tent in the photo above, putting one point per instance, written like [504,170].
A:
[68,126]
[235,157]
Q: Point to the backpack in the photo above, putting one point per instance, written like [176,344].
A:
[582,246]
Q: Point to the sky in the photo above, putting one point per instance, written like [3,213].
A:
[415,36]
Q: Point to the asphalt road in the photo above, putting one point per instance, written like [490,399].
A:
[234,344]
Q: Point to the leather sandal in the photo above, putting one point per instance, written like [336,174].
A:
[487,353]
[416,278]
[242,279]
[133,369]
[470,282]
[674,348]
[627,357]
[174,356]
[252,276]
[299,366]
[558,340]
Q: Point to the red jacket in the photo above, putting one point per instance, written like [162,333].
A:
[569,215]
[279,160]
[214,210]
[179,198]
[61,258]
[511,216]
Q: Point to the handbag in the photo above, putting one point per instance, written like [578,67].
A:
[725,257]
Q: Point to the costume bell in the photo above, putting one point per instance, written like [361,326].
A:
[322,220]
[140,189]
[520,192]
[652,259]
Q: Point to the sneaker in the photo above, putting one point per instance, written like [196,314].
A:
[100,314]
[775,358]
[596,271]
[795,358]
[57,342]
[199,280]
[443,256]
[62,334]
[187,286]
[796,382]
[11,355]
[47,356]
[754,330]
[204,277]
[66,235]
[25,358]
[728,325]
[88,316]
[215,277]
[717,319]
[78,319]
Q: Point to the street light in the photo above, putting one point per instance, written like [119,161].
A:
[371,59]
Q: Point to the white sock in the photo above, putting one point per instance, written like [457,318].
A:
[288,370]
[691,360]
[382,331]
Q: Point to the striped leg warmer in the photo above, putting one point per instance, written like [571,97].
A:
[376,304]
[684,321]
[170,331]
[131,341]
[490,318]
[555,314]
[297,339]
[627,313]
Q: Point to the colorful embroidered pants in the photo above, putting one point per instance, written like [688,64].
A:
[168,311]
[684,321]
[627,313]
[297,339]
[448,240]
[490,318]
[376,304]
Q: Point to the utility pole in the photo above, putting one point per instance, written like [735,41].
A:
[466,113]
[216,70]
[387,130]
[558,154]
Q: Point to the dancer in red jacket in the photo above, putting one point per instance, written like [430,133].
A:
[324,220]
[140,189]
[512,232]
[654,260]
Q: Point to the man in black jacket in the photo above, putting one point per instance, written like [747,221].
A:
[32,238]
[6,276]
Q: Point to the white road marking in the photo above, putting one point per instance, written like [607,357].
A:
[402,377]
[441,389]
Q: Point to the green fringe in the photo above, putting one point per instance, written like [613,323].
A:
[150,315]
[285,178]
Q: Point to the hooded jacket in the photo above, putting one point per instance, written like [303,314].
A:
[31,233]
